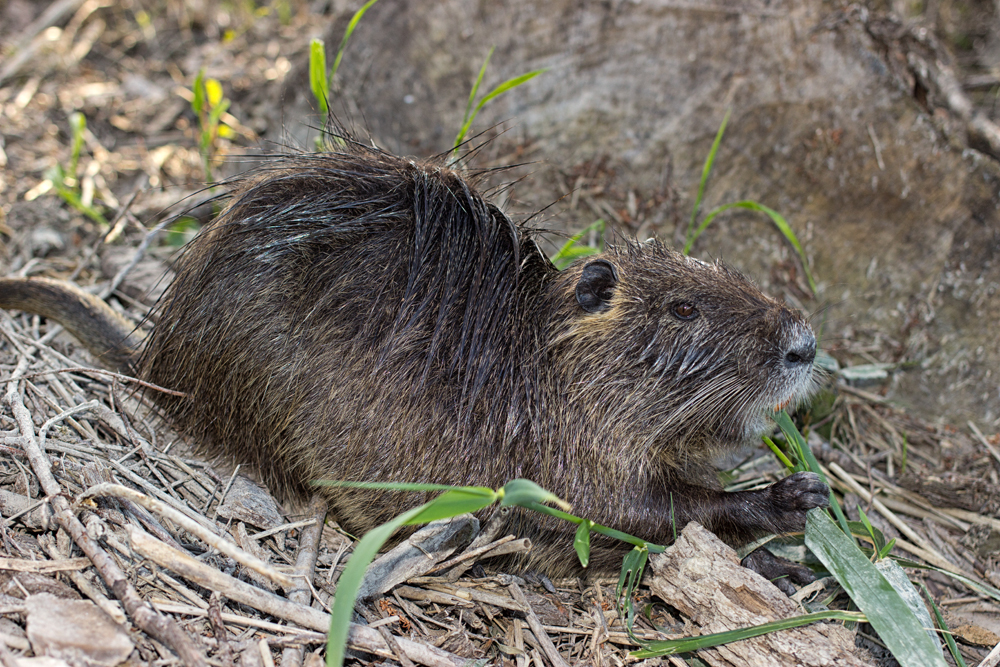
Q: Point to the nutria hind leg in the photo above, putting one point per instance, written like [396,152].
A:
[779,571]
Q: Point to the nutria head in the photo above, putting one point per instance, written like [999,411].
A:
[678,355]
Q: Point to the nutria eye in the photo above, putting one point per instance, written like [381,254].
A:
[685,311]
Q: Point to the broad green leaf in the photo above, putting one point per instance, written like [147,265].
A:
[885,610]
[826,362]
[895,575]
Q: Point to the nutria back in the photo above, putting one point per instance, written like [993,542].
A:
[359,316]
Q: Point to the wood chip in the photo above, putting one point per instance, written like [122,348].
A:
[702,577]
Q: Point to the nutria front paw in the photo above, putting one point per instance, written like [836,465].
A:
[795,495]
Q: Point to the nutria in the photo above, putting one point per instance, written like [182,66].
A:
[357,316]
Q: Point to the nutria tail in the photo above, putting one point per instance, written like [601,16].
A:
[109,336]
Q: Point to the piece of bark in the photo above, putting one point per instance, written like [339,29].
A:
[702,577]
[249,503]
[76,630]
[419,554]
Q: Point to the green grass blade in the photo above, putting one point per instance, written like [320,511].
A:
[571,250]
[693,235]
[981,588]
[581,542]
[597,528]
[674,646]
[499,90]
[507,85]
[777,452]
[571,255]
[466,119]
[705,171]
[876,536]
[78,126]
[884,553]
[633,566]
[350,581]
[778,220]
[318,78]
[347,35]
[956,655]
[397,486]
[882,605]
[198,101]
[216,114]
[71,195]
[455,502]
[786,230]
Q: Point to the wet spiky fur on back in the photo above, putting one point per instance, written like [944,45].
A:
[359,316]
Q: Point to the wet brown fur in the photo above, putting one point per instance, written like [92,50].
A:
[358,316]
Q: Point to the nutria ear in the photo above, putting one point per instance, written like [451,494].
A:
[596,287]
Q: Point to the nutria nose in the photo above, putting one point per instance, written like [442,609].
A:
[801,351]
